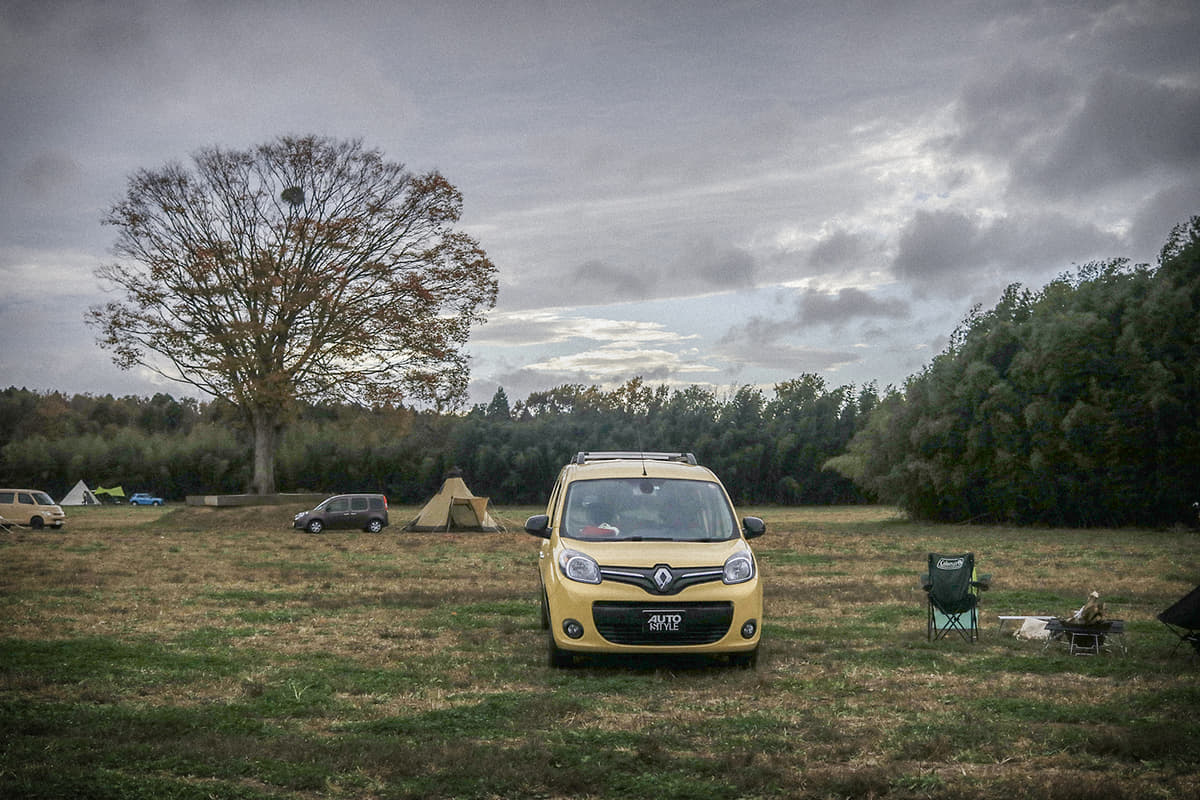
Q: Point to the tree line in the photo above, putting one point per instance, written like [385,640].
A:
[1074,405]
[767,448]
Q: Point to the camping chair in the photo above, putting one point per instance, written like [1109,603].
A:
[1183,620]
[953,591]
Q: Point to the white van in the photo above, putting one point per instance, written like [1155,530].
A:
[30,507]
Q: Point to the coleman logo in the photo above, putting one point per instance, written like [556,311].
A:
[951,563]
[662,578]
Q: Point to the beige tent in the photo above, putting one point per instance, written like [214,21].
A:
[454,508]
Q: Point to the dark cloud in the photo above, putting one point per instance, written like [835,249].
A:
[758,330]
[779,342]
[715,266]
[937,246]
[49,173]
[1097,98]
[1156,218]
[840,248]
[812,308]
[598,281]
[1149,37]
[703,267]
[1009,114]
[1127,127]
[838,308]
[953,253]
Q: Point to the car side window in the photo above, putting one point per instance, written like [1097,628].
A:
[377,504]
[24,497]
[341,504]
[7,497]
[358,504]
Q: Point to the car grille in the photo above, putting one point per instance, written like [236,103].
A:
[674,580]
[625,623]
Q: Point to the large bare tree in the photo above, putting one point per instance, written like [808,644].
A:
[304,268]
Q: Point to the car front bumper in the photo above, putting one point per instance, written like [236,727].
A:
[615,618]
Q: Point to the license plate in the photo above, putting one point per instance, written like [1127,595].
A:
[663,622]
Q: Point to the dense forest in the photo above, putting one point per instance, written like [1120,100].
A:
[767,449]
[1076,404]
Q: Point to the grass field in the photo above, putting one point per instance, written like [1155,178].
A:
[215,653]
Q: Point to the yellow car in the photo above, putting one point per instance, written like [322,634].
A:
[643,553]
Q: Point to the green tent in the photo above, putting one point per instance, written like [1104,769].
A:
[113,495]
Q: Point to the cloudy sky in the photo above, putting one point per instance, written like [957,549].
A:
[711,193]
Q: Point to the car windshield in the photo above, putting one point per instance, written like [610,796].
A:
[43,499]
[647,509]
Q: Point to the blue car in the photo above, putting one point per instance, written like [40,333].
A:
[145,499]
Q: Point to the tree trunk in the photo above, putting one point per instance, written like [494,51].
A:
[265,429]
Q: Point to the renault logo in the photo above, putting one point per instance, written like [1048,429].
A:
[662,578]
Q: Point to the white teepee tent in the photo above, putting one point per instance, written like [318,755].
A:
[80,495]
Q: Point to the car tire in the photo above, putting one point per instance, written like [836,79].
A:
[315,526]
[156,503]
[374,526]
[556,657]
[36,523]
[744,660]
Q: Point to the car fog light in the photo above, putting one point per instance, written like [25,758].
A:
[572,628]
[748,629]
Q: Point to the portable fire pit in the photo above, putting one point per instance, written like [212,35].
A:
[1089,639]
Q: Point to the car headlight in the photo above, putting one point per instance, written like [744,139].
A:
[739,567]
[579,567]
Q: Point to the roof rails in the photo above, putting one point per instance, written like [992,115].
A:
[584,457]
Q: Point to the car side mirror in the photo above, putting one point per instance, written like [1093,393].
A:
[538,525]
[753,527]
